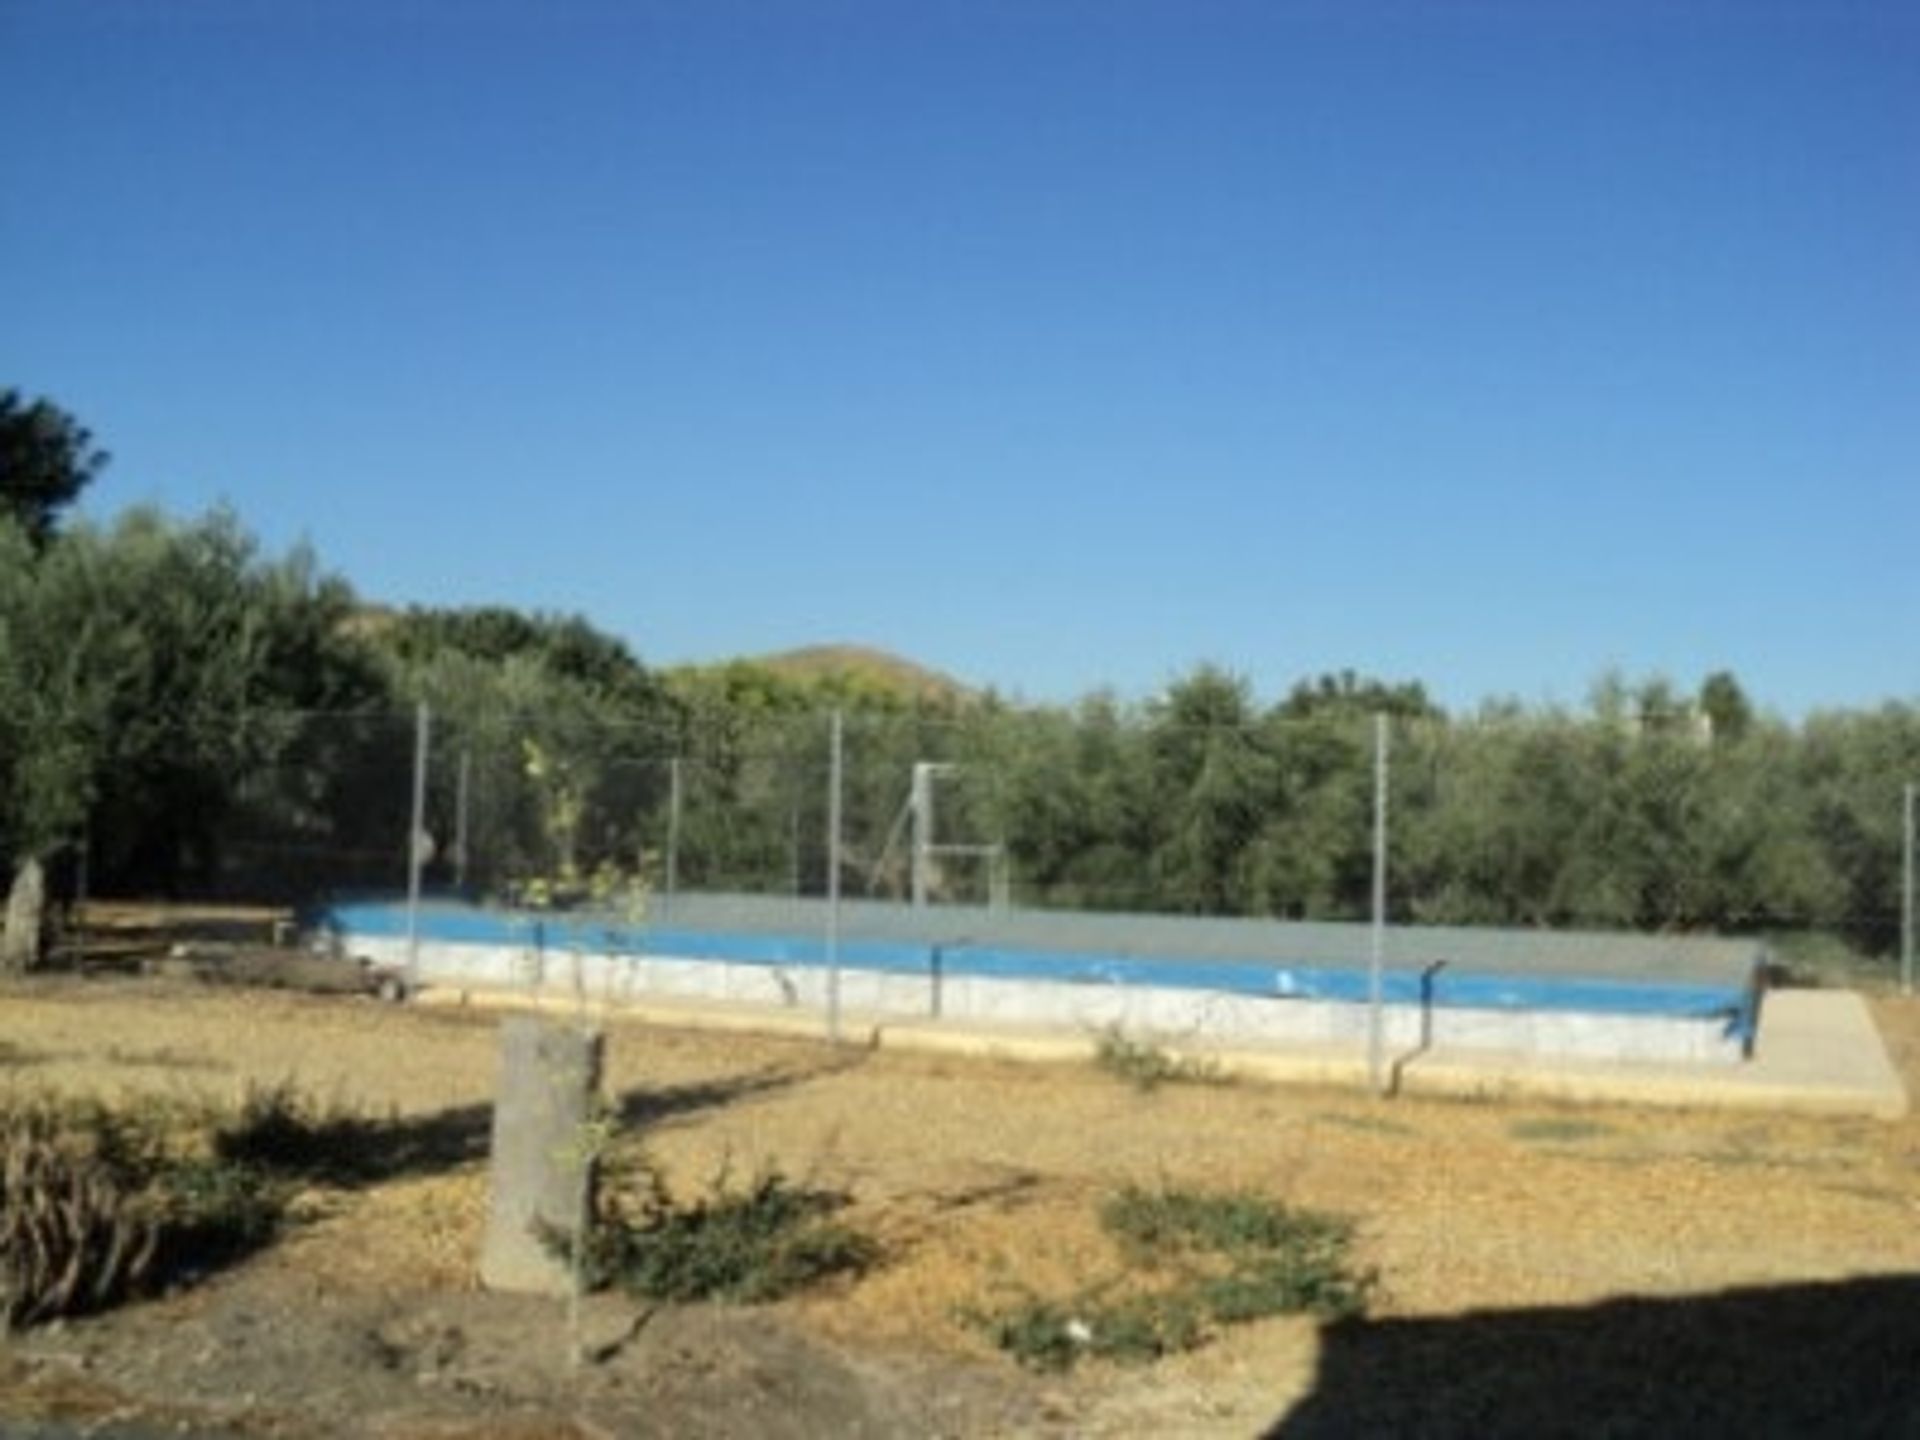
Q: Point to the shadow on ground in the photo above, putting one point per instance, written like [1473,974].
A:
[1841,1358]
[350,1150]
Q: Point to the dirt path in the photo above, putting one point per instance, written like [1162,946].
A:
[977,1177]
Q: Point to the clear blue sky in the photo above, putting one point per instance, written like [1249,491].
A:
[1052,344]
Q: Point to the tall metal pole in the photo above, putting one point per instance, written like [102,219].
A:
[673,834]
[920,800]
[416,835]
[1376,967]
[460,820]
[833,881]
[1906,893]
[793,847]
[81,896]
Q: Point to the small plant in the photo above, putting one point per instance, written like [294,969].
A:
[1198,1261]
[1041,1334]
[1560,1129]
[98,1205]
[1051,1335]
[741,1246]
[1146,1066]
[1365,1124]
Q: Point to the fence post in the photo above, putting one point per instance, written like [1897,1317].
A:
[1906,892]
[673,836]
[416,836]
[77,939]
[920,804]
[460,820]
[1376,965]
[833,877]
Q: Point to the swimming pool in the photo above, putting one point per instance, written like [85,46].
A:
[1226,980]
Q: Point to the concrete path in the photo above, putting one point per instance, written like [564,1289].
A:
[1819,1052]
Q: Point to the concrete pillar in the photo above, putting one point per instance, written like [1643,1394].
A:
[542,1162]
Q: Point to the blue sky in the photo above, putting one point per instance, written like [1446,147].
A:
[1053,344]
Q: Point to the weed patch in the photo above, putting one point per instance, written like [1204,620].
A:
[1558,1130]
[742,1246]
[98,1205]
[1194,1261]
[1146,1066]
[1366,1124]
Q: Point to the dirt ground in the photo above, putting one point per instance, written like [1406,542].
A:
[1544,1269]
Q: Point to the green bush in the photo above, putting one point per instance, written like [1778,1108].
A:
[99,1205]
[742,1246]
[1052,1335]
[1041,1334]
[1145,1066]
[1197,1261]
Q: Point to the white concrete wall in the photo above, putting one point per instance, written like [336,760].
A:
[1173,1015]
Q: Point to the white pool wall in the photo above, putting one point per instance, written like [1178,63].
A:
[1141,1011]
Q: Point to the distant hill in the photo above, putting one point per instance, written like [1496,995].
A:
[865,668]
[854,669]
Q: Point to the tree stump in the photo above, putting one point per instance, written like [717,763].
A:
[543,1155]
[26,918]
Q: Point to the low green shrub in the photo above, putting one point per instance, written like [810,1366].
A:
[740,1246]
[1562,1129]
[1052,1335]
[1146,1066]
[1197,1261]
[98,1205]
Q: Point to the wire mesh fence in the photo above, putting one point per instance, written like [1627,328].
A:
[1534,822]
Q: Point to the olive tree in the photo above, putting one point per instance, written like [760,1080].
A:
[147,670]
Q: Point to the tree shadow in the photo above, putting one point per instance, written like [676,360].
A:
[653,1105]
[349,1150]
[1838,1358]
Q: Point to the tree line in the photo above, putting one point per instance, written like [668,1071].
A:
[183,714]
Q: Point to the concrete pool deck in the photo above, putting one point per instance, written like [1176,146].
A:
[1818,1052]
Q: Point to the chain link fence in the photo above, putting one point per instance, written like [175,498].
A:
[1496,821]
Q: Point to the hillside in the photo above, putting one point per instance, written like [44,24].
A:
[865,668]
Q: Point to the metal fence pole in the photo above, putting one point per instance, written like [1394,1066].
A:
[673,835]
[833,879]
[920,801]
[416,835]
[1906,892]
[460,820]
[1376,965]
[81,895]
[793,847]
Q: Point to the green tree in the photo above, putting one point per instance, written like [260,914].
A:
[147,672]
[1349,693]
[46,460]
[1851,766]
[51,716]
[1726,706]
[1210,782]
[564,737]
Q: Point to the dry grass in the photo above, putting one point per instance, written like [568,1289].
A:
[977,1172]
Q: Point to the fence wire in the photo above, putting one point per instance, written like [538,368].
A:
[1494,820]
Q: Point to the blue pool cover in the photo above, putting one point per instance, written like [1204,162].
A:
[1440,982]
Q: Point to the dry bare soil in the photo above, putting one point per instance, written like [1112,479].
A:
[1544,1269]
